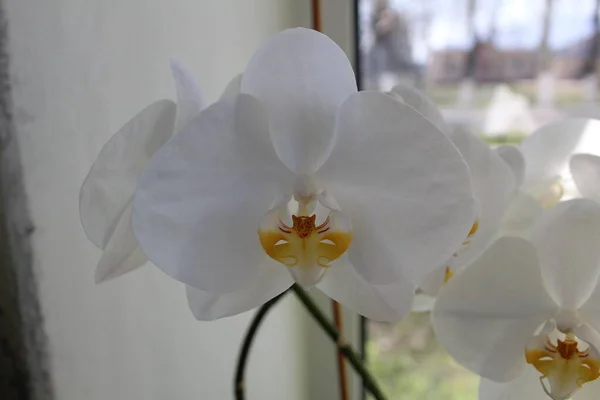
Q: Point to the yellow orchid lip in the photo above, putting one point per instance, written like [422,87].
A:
[304,243]
[305,247]
[565,367]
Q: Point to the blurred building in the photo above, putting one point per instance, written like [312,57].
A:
[504,65]
[493,64]
[569,62]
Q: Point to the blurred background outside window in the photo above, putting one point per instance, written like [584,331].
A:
[501,67]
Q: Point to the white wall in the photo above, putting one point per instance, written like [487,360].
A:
[80,69]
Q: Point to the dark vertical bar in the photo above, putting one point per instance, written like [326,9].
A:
[357,56]
[363,336]
[23,360]
[316,15]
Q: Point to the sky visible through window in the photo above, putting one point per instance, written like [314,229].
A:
[442,24]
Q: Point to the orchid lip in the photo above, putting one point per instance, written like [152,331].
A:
[305,246]
[566,365]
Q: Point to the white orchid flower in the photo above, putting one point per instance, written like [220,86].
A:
[547,153]
[302,178]
[106,194]
[493,187]
[493,317]
[540,165]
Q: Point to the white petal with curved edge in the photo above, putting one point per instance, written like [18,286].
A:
[526,387]
[567,239]
[547,150]
[206,306]
[585,169]
[485,315]
[369,250]
[590,313]
[189,98]
[513,157]
[423,104]
[395,175]
[493,186]
[377,302]
[232,88]
[109,186]
[122,253]
[520,216]
[198,205]
[302,77]
[588,334]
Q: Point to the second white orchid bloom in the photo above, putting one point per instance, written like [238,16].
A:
[107,192]
[541,167]
[301,177]
[494,186]
[547,152]
[494,317]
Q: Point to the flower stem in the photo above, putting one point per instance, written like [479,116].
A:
[239,388]
[342,346]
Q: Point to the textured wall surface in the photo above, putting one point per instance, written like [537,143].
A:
[24,371]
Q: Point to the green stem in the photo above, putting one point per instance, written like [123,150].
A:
[343,347]
[239,389]
[341,344]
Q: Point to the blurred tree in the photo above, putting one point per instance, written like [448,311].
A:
[545,78]
[589,68]
[467,86]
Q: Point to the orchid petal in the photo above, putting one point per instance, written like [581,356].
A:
[493,186]
[189,98]
[302,77]
[590,390]
[585,169]
[377,302]
[588,334]
[110,184]
[198,205]
[423,104]
[590,313]
[520,216]
[526,387]
[233,87]
[485,315]
[433,281]
[122,253]
[403,181]
[547,151]
[206,306]
[513,157]
[567,239]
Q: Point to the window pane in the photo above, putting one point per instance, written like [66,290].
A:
[503,68]
[409,363]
